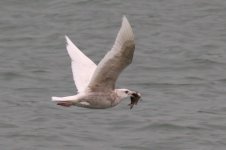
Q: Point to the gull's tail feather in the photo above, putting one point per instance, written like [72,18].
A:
[63,101]
[67,98]
[57,99]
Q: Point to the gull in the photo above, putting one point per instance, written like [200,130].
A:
[96,83]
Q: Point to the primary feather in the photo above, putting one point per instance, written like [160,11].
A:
[118,58]
[82,66]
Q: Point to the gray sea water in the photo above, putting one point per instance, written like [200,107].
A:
[179,67]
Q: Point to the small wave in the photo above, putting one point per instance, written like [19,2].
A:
[159,84]
[206,61]
[10,75]
[168,126]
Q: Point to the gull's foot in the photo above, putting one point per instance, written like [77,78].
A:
[65,103]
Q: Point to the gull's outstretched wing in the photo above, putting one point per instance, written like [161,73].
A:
[118,58]
[82,67]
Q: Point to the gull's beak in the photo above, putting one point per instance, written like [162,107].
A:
[134,97]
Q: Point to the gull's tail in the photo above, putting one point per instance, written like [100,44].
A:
[67,98]
[63,101]
[56,99]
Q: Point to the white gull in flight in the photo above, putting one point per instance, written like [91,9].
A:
[96,83]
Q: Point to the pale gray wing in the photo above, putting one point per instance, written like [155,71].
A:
[118,58]
[82,67]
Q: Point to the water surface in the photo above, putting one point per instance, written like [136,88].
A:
[179,67]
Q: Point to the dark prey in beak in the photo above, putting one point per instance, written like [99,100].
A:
[135,97]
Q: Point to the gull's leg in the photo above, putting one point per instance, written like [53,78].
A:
[65,103]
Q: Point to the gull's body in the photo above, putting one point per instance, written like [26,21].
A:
[91,100]
[96,83]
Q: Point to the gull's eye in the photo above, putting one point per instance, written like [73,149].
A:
[126,92]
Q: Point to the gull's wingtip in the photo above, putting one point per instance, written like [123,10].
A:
[124,17]
[67,39]
[125,23]
[126,31]
[125,20]
[69,43]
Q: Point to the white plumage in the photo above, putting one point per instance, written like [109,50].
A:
[96,84]
[82,67]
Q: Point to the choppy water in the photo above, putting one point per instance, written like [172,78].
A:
[179,67]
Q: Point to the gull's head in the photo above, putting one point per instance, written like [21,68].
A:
[134,96]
